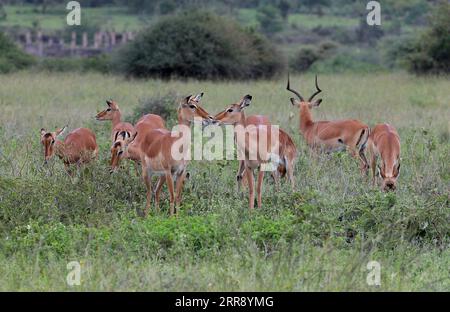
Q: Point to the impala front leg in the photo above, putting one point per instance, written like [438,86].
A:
[170,186]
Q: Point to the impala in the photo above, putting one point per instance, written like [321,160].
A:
[235,114]
[330,136]
[113,113]
[143,125]
[78,147]
[154,147]
[258,139]
[384,143]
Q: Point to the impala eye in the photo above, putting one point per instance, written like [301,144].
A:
[108,109]
[53,141]
[120,153]
[192,106]
[230,110]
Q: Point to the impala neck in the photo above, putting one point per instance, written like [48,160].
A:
[306,120]
[117,117]
[60,149]
[243,120]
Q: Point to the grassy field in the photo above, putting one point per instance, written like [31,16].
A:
[121,19]
[115,18]
[319,236]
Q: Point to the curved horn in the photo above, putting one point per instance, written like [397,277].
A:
[292,90]
[315,93]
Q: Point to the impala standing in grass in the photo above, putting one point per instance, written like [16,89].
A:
[259,144]
[330,136]
[78,147]
[384,145]
[235,114]
[112,112]
[155,147]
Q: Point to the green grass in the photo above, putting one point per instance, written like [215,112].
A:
[312,21]
[297,241]
[116,18]
[249,18]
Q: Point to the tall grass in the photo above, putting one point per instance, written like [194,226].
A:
[319,236]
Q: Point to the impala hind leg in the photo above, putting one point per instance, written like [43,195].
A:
[290,171]
[148,184]
[251,188]
[364,163]
[179,187]
[259,186]
[241,175]
[170,186]
[158,189]
[373,165]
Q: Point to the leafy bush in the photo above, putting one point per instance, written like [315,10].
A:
[431,52]
[200,45]
[270,19]
[306,57]
[11,57]
[163,105]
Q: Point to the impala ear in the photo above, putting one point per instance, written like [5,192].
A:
[246,100]
[294,102]
[109,102]
[61,131]
[198,97]
[43,132]
[316,103]
[133,137]
[186,101]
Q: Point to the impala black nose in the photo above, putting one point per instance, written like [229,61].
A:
[390,186]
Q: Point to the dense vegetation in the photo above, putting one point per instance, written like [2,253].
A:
[319,236]
[408,38]
[431,51]
[200,45]
[11,57]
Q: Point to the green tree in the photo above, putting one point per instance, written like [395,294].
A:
[270,19]
[202,45]
[431,52]
[11,57]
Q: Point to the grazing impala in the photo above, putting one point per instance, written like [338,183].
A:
[113,113]
[143,125]
[78,147]
[235,114]
[155,149]
[333,135]
[260,140]
[384,143]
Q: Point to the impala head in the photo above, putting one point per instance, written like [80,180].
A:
[109,112]
[48,140]
[190,109]
[389,171]
[300,101]
[119,149]
[233,113]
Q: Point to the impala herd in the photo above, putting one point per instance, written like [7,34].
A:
[150,144]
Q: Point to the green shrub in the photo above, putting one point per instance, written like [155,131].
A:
[11,57]
[270,19]
[163,105]
[306,57]
[200,45]
[431,52]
